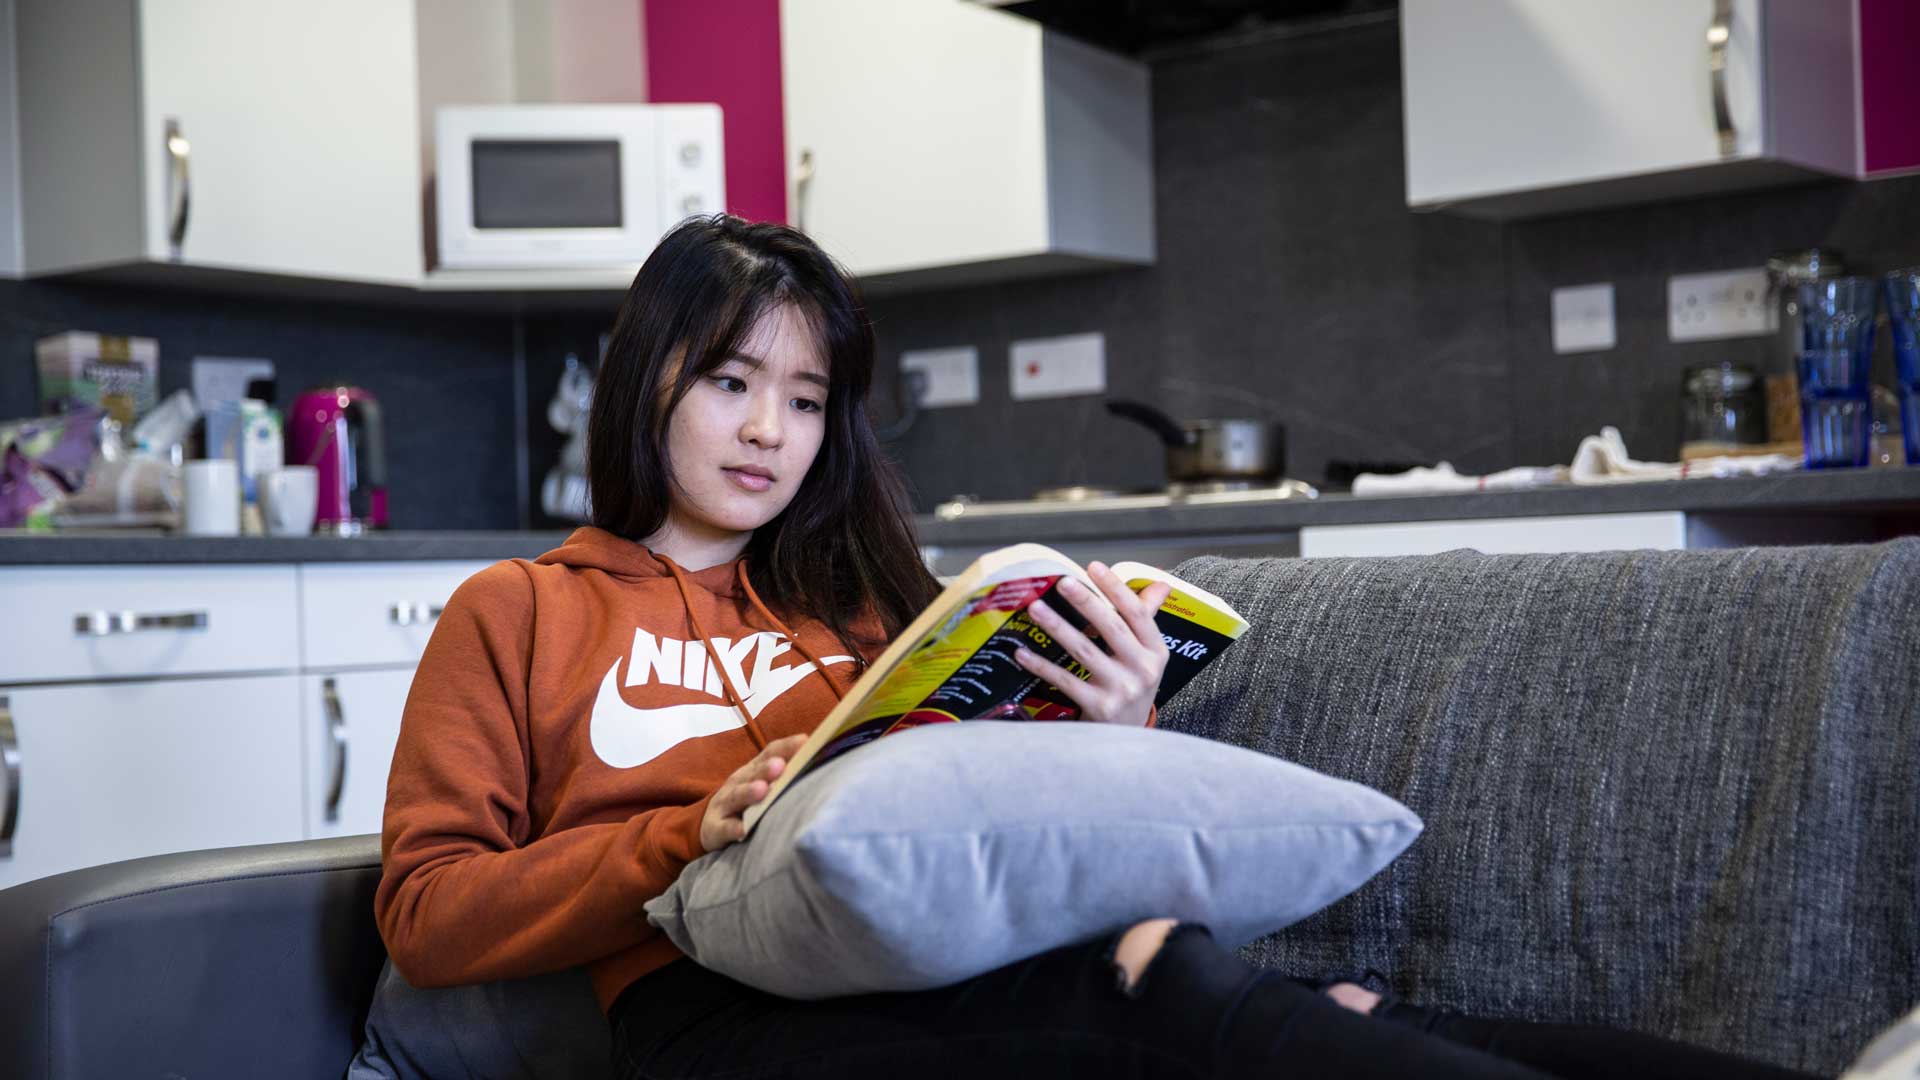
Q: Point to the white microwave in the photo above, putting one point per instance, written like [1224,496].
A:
[575,186]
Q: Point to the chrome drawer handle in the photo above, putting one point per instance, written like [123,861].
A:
[1719,36]
[10,762]
[414,614]
[337,737]
[108,623]
[179,188]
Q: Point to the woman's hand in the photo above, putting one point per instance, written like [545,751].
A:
[1126,674]
[721,824]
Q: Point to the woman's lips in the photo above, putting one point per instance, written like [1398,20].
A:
[751,481]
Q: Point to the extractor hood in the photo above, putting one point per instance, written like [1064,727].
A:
[1140,26]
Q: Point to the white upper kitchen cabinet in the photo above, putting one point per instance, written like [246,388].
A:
[1518,107]
[261,136]
[932,141]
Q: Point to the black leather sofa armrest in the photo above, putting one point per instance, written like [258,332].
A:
[252,961]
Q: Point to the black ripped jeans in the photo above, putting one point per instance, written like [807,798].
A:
[1197,1011]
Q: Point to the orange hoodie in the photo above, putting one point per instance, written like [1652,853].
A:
[567,725]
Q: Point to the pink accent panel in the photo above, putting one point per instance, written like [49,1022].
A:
[727,51]
[1890,83]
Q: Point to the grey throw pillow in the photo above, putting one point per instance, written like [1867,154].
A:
[942,852]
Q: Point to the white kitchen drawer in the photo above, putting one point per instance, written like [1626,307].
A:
[373,613]
[243,615]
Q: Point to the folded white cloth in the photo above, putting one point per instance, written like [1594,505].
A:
[1603,459]
[1442,478]
[1894,1055]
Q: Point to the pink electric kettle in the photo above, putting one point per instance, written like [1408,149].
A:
[338,430]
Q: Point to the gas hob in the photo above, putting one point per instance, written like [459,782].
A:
[1078,499]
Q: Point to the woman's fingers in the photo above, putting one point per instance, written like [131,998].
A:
[1137,609]
[1088,698]
[750,782]
[1078,645]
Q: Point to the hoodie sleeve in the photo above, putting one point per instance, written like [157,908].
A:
[463,896]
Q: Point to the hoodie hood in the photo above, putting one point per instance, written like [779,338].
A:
[590,548]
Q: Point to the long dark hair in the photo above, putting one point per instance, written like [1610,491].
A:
[843,546]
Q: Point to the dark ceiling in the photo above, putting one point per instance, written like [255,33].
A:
[1138,26]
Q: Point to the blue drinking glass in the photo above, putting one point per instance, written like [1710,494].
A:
[1836,365]
[1903,307]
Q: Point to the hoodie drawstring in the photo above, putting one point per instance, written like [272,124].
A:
[738,699]
[733,694]
[767,613]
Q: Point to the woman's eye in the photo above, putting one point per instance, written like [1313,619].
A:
[807,405]
[729,383]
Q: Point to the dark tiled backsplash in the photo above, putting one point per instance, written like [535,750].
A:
[445,381]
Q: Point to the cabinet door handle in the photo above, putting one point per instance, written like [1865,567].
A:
[108,623]
[1719,36]
[10,763]
[179,188]
[337,736]
[413,614]
[802,184]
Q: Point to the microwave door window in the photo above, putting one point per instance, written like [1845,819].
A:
[546,184]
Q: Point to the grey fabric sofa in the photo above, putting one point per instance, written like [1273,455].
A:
[1678,792]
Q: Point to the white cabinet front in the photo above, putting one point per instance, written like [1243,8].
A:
[263,137]
[301,135]
[374,613]
[1644,98]
[119,622]
[915,131]
[121,770]
[1658,530]
[352,723]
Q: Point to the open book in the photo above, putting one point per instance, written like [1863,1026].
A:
[955,660]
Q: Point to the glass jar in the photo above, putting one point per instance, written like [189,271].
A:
[1723,409]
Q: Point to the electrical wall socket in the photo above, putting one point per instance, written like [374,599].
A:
[1583,318]
[953,375]
[1706,307]
[1058,366]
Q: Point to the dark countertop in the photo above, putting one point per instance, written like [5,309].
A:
[1865,491]
[1871,492]
[108,547]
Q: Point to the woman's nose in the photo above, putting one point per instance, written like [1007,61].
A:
[762,426]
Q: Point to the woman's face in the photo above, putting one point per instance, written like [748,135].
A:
[744,436]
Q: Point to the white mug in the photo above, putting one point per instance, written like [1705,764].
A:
[289,496]
[213,497]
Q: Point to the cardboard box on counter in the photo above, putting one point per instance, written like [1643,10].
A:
[77,368]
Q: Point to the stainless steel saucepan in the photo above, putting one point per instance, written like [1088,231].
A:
[1202,450]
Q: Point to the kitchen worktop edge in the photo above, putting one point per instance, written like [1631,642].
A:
[1866,491]
[73,549]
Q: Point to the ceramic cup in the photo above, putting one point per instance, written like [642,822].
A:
[213,497]
[288,498]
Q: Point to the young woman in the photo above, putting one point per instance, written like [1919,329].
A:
[584,725]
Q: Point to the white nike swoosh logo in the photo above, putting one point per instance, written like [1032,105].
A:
[624,736]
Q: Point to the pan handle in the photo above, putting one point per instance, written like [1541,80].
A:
[1169,429]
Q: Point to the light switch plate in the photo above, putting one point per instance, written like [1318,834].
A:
[1058,366]
[953,375]
[1583,318]
[1706,307]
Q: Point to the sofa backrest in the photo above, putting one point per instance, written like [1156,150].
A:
[1672,791]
